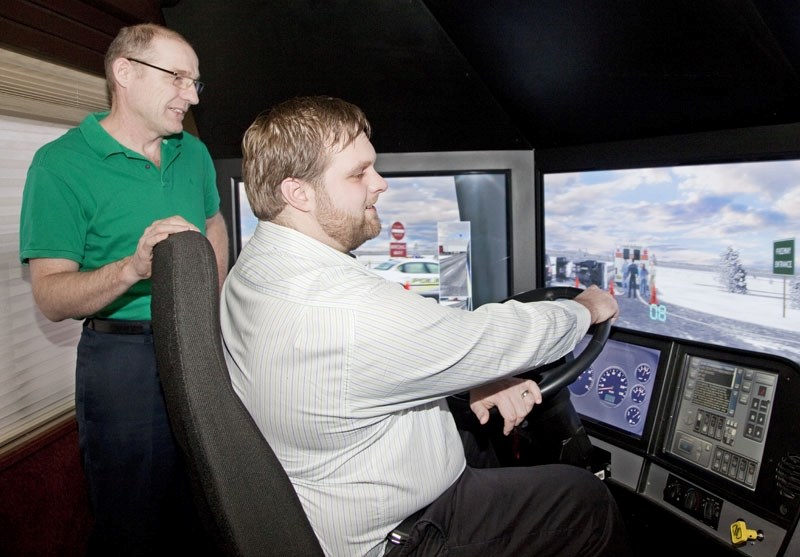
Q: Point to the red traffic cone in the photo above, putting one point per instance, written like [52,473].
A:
[611,287]
[407,286]
[653,299]
[577,282]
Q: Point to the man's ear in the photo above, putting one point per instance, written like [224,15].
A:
[122,69]
[298,194]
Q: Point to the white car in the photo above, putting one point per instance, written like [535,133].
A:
[418,275]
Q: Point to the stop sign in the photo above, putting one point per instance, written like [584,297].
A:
[398,230]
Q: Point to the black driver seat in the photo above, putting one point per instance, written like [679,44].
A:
[245,499]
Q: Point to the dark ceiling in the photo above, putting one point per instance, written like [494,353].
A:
[452,75]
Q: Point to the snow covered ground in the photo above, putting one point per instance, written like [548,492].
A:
[700,291]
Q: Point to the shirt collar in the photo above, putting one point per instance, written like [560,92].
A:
[105,145]
[298,243]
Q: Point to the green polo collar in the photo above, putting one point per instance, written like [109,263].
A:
[105,145]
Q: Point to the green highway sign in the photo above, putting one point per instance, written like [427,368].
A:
[783,257]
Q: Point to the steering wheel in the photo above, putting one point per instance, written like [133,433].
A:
[552,380]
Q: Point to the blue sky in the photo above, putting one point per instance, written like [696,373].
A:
[685,214]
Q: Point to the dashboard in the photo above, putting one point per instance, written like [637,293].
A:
[710,435]
[616,390]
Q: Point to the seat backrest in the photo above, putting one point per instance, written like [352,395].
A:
[243,495]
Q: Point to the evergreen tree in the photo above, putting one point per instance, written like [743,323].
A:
[732,274]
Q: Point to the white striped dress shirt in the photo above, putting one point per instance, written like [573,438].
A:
[345,375]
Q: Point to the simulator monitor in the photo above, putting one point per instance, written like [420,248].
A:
[484,188]
[688,250]
[421,201]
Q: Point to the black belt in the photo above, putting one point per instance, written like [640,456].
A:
[119,326]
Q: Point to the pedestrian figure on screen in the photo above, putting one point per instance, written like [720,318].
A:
[632,274]
[644,287]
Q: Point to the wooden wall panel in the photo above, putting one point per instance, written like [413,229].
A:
[45,510]
[72,32]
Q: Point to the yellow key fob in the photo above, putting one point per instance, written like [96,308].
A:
[741,534]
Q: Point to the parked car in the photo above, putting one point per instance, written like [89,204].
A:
[418,275]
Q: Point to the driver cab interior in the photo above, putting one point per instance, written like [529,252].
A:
[575,142]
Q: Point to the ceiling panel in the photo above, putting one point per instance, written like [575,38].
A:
[448,75]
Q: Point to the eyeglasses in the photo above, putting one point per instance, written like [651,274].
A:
[180,81]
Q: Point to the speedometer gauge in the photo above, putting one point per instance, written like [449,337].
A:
[612,386]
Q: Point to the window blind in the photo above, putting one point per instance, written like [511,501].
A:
[39,101]
[33,88]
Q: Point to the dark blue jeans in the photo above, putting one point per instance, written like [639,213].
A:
[136,482]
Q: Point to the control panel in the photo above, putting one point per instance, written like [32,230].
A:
[694,501]
[720,446]
[722,421]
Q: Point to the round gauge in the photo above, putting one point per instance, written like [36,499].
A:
[638,394]
[583,383]
[633,415]
[643,372]
[612,386]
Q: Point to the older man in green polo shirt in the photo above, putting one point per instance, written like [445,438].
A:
[95,203]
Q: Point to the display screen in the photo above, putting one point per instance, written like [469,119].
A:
[429,207]
[425,204]
[699,252]
[433,209]
[714,386]
[618,387]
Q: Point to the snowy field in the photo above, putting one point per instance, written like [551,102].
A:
[700,291]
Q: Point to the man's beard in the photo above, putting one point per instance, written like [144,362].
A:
[349,230]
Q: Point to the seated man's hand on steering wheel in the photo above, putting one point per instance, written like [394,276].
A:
[513,397]
[505,396]
[601,306]
[603,310]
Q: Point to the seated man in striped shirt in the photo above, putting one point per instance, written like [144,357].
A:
[347,374]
